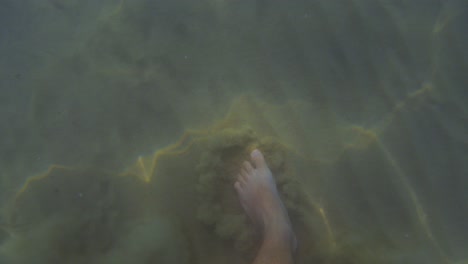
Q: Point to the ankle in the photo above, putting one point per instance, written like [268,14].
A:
[280,233]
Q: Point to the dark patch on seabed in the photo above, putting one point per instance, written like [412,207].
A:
[144,113]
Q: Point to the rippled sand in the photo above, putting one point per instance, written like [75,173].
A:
[147,116]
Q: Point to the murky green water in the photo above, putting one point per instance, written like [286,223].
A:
[124,124]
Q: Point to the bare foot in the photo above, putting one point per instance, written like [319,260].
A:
[259,197]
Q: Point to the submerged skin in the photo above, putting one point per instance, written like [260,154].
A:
[258,195]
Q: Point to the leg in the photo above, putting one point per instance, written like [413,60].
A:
[259,197]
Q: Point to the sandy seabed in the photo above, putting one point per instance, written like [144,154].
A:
[150,114]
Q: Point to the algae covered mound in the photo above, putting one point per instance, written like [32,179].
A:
[174,206]
[178,205]
[72,215]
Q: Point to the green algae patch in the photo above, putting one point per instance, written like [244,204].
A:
[87,215]
[178,205]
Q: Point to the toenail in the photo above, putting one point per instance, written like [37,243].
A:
[255,152]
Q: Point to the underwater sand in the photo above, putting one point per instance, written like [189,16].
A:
[122,139]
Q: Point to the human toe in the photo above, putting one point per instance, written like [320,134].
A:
[258,159]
